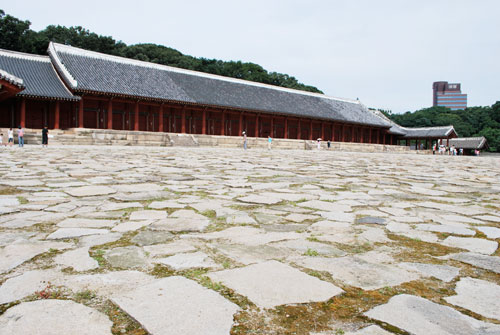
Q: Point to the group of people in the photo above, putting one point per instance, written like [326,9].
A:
[444,150]
[10,137]
[270,141]
[20,137]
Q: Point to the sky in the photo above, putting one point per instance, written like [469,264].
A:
[387,53]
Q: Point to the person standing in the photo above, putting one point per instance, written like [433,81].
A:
[10,135]
[45,137]
[20,136]
[319,143]
[244,140]
[269,141]
[328,144]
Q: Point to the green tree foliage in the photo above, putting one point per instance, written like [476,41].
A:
[16,35]
[469,122]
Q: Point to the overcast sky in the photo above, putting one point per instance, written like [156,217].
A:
[387,53]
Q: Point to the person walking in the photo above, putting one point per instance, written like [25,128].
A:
[244,140]
[45,137]
[269,141]
[10,135]
[20,137]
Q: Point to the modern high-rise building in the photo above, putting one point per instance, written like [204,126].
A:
[448,95]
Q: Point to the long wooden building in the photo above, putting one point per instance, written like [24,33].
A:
[76,88]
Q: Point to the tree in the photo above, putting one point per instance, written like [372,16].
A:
[13,32]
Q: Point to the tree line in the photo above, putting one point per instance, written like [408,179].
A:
[15,34]
[469,122]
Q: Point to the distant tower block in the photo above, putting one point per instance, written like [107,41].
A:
[448,95]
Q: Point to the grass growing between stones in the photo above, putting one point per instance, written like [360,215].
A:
[8,190]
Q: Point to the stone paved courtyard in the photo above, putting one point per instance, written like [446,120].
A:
[138,240]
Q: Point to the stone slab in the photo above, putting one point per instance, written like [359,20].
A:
[420,316]
[79,259]
[131,257]
[185,261]
[491,263]
[357,272]
[28,283]
[259,199]
[180,225]
[14,255]
[490,232]
[169,248]
[114,206]
[148,237]
[63,233]
[131,226]
[178,306]
[439,228]
[86,223]
[54,317]
[88,191]
[478,296]
[148,215]
[370,330]
[445,273]
[478,245]
[263,284]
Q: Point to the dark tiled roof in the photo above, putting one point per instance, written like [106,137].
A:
[10,78]
[87,71]
[469,142]
[425,132]
[37,74]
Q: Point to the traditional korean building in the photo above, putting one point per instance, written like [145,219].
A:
[76,88]
[470,144]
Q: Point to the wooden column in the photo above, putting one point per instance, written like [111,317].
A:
[57,113]
[362,137]
[22,122]
[136,116]
[272,127]
[204,122]
[160,119]
[286,128]
[299,132]
[383,133]
[332,132]
[392,139]
[310,130]
[370,136]
[110,113]
[223,126]
[257,125]
[322,131]
[80,113]
[240,125]
[343,133]
[183,121]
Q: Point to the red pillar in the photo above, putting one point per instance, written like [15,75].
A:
[392,139]
[80,113]
[371,141]
[299,132]
[136,116]
[343,133]
[383,134]
[310,130]
[362,130]
[160,119]
[204,122]
[257,126]
[322,131]
[57,115]
[223,126]
[240,124]
[286,127]
[22,122]
[183,121]
[332,132]
[272,127]
[110,113]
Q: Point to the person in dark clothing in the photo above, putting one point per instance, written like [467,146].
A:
[45,137]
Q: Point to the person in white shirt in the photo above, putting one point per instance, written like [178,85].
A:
[10,135]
